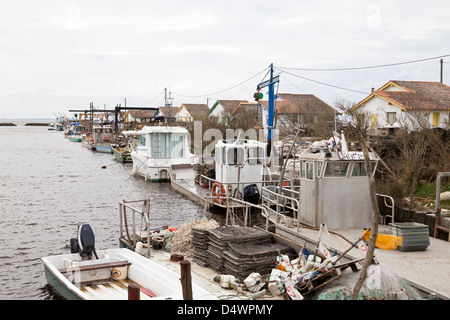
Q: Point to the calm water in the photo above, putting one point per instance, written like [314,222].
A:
[48,186]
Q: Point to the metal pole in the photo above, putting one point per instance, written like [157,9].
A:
[271,112]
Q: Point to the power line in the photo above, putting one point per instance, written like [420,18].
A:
[322,83]
[366,67]
[210,94]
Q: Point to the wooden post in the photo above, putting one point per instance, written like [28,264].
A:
[134,292]
[186,279]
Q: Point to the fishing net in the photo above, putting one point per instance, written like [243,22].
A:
[181,241]
[380,284]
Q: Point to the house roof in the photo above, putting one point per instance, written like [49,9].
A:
[142,113]
[413,95]
[196,110]
[245,105]
[298,103]
[168,111]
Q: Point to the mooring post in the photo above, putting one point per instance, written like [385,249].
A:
[186,279]
[134,292]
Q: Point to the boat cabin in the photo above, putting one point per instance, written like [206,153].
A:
[102,134]
[160,148]
[239,164]
[334,186]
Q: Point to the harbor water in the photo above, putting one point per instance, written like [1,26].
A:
[48,186]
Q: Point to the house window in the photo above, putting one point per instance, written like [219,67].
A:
[391,117]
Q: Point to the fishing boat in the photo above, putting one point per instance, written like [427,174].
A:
[239,167]
[122,154]
[55,126]
[160,148]
[102,138]
[239,170]
[75,132]
[88,274]
[317,186]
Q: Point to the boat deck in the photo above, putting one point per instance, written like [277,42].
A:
[113,290]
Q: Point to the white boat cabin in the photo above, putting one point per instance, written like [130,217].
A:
[161,147]
[239,163]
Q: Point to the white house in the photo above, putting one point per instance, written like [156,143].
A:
[222,108]
[191,112]
[400,102]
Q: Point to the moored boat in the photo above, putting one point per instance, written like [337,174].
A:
[88,274]
[122,154]
[160,148]
[102,137]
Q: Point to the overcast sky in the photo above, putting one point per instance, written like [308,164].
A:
[62,55]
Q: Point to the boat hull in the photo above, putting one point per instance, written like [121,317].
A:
[124,156]
[59,286]
[66,275]
[103,148]
[75,138]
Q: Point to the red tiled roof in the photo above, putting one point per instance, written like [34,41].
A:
[196,110]
[230,105]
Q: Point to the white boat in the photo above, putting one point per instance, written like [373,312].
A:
[239,170]
[75,132]
[56,126]
[160,148]
[106,274]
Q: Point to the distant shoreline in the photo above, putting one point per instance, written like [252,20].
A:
[25,122]
[37,124]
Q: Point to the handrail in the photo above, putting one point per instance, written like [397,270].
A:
[144,212]
[281,201]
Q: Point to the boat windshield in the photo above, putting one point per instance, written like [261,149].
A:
[255,155]
[235,155]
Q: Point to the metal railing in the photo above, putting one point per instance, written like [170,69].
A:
[144,212]
[278,204]
[391,205]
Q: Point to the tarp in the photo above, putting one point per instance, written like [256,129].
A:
[386,241]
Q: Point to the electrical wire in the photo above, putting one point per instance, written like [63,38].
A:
[322,83]
[214,93]
[365,67]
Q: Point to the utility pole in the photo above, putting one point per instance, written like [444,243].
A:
[442,70]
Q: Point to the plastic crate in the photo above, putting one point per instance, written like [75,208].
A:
[415,235]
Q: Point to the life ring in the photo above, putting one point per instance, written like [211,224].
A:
[218,191]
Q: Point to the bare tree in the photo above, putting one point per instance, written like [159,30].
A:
[414,140]
[358,126]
